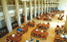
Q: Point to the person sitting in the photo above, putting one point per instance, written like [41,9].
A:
[7,40]
[57,29]
[31,40]
[62,29]
[19,29]
[50,17]
[37,40]
[12,41]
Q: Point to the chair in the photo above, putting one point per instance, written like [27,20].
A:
[57,25]
[39,35]
[33,34]
[36,35]
[42,36]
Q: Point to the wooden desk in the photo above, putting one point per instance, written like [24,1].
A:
[25,29]
[32,24]
[58,38]
[44,34]
[47,18]
[43,26]
[60,30]
[15,39]
[39,17]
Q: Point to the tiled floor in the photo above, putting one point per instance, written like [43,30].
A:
[27,36]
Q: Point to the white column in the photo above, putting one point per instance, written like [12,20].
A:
[42,7]
[35,7]
[65,17]
[31,10]
[17,12]
[66,24]
[38,7]
[45,6]
[6,14]
[25,11]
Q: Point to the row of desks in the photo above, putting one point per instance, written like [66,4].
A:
[37,33]
[58,38]
[25,29]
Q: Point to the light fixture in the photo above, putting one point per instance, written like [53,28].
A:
[62,35]
[36,29]
[45,23]
[13,35]
[41,31]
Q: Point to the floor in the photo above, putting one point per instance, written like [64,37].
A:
[51,30]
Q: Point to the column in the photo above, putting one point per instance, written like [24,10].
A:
[65,18]
[25,11]
[45,6]
[31,10]
[42,7]
[35,7]
[38,7]
[17,12]
[6,14]
[12,2]
[66,24]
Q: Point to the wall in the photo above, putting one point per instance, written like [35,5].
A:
[0,25]
[62,4]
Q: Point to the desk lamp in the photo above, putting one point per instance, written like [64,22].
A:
[13,35]
[62,35]
[41,31]
[36,29]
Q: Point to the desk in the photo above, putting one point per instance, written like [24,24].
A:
[58,38]
[60,30]
[43,35]
[15,39]
[25,29]
[32,24]
[43,26]
[47,18]
[39,17]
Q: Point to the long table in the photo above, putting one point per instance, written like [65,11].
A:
[31,24]
[43,26]
[58,38]
[17,38]
[25,29]
[43,35]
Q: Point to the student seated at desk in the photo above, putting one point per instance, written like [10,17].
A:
[31,40]
[7,40]
[57,29]
[12,41]
[37,40]
[62,29]
[19,29]
[50,17]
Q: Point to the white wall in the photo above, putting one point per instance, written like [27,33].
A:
[62,4]
[0,25]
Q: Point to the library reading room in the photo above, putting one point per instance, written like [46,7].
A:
[33,20]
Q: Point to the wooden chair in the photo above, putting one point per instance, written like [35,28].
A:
[39,35]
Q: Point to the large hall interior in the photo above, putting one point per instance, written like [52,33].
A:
[33,20]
